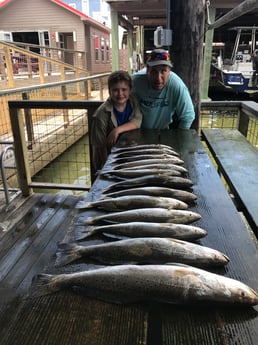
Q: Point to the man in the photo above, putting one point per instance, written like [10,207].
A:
[162,95]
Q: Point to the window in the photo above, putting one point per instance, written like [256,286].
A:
[102,49]
[107,51]
[96,46]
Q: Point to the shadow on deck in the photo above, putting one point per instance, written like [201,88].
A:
[28,245]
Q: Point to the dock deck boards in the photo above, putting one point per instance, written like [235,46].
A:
[28,249]
[69,318]
[237,160]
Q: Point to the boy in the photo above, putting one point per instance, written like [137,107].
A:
[118,114]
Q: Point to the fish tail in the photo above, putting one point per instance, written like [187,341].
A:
[83,232]
[66,253]
[43,284]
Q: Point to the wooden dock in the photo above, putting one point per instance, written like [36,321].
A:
[28,247]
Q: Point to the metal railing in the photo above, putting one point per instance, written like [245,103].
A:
[52,136]
[241,115]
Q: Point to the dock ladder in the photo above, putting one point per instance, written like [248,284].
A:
[3,168]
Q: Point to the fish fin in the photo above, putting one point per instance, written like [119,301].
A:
[82,232]
[43,284]
[83,204]
[66,253]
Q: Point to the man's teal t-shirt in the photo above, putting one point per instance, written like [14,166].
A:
[159,106]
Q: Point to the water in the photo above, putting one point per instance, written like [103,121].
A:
[72,167]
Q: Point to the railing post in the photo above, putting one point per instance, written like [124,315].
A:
[86,89]
[90,112]
[9,66]
[41,71]
[29,66]
[65,111]
[78,89]
[29,124]
[243,122]
[21,154]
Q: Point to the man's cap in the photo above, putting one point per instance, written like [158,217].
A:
[158,57]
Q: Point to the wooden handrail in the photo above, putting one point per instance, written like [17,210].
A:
[9,48]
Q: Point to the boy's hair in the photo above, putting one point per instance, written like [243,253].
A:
[118,76]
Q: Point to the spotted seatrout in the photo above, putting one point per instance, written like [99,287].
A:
[142,147]
[152,250]
[133,164]
[157,180]
[159,166]
[178,284]
[158,215]
[143,229]
[132,202]
[130,173]
[140,158]
[154,191]
[149,151]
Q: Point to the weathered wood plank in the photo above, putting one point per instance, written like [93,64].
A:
[71,318]
[227,233]
[237,160]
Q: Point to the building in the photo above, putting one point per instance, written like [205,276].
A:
[54,24]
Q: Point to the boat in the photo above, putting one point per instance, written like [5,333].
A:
[237,72]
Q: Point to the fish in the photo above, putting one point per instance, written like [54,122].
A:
[123,163]
[125,284]
[143,229]
[151,250]
[160,166]
[141,147]
[171,159]
[157,180]
[129,202]
[154,191]
[146,151]
[130,173]
[159,215]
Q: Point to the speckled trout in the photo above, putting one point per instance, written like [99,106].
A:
[149,151]
[141,147]
[158,215]
[135,164]
[152,250]
[130,173]
[169,158]
[143,229]
[157,180]
[178,284]
[129,202]
[159,166]
[154,191]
